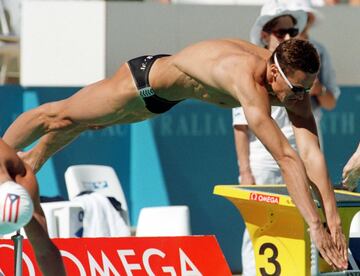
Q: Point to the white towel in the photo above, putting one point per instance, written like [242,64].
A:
[101,219]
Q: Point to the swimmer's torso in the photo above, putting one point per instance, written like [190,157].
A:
[198,71]
[204,71]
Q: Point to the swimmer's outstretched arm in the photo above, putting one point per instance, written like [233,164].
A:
[304,127]
[47,254]
[257,112]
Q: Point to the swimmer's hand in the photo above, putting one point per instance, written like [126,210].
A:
[246,178]
[331,247]
[340,241]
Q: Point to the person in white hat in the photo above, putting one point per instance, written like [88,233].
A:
[275,24]
[20,207]
[264,32]
[325,90]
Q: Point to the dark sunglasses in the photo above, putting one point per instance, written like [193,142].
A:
[300,89]
[281,33]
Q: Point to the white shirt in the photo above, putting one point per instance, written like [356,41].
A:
[259,156]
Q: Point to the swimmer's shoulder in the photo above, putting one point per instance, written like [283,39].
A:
[214,44]
[222,47]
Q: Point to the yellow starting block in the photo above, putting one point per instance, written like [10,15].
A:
[277,230]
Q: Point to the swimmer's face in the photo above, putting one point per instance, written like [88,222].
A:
[292,87]
[282,28]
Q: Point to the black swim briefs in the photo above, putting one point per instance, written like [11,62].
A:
[140,68]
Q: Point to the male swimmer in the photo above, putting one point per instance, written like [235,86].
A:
[225,72]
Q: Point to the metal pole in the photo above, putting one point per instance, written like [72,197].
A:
[314,260]
[18,245]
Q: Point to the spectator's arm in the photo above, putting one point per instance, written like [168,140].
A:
[326,88]
[242,152]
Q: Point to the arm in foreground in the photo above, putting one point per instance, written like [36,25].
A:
[47,254]
[351,171]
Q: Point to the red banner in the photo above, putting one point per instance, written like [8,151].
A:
[135,256]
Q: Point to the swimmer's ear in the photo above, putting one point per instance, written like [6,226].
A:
[273,73]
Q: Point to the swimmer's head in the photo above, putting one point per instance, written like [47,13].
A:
[16,207]
[293,68]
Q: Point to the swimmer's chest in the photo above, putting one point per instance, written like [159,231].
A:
[213,95]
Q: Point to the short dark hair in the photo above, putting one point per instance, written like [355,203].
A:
[272,23]
[297,54]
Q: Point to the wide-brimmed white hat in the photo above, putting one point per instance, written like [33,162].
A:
[272,9]
[307,6]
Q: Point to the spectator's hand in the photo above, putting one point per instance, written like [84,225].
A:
[247,178]
[328,248]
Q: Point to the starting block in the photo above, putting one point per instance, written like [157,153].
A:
[279,233]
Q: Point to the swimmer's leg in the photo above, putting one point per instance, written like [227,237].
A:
[91,104]
[48,145]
